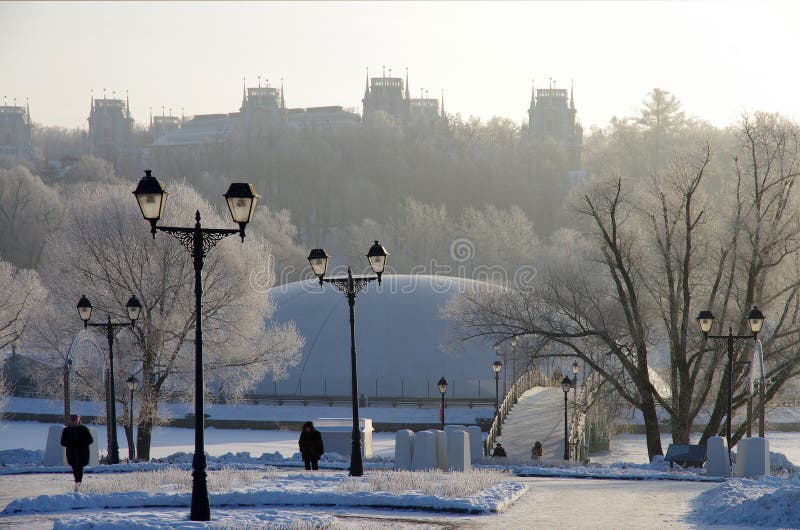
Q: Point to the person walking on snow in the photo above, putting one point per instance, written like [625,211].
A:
[311,446]
[77,439]
[499,451]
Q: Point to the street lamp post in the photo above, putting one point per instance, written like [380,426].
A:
[706,321]
[504,356]
[442,384]
[67,370]
[575,368]
[566,386]
[496,367]
[132,384]
[513,360]
[198,241]
[133,308]
[350,286]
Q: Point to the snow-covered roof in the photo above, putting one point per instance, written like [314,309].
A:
[403,342]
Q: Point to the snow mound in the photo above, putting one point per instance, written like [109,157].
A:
[768,501]
[266,519]
[21,457]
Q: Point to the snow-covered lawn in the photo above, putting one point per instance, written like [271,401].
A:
[475,492]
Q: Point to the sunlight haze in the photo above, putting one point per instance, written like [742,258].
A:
[720,59]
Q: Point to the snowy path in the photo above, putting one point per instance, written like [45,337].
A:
[538,415]
[550,503]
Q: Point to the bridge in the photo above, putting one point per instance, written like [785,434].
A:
[533,410]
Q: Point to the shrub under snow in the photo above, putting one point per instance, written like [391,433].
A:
[172,479]
[433,482]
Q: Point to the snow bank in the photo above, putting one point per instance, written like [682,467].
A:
[21,457]
[768,501]
[267,519]
[300,489]
[657,470]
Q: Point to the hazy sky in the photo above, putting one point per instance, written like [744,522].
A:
[720,58]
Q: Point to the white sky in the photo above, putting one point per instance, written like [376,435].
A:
[720,58]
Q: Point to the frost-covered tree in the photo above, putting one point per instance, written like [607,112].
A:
[21,293]
[104,250]
[29,210]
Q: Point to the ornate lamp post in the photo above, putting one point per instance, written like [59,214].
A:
[705,320]
[575,368]
[133,308]
[566,386]
[350,286]
[132,384]
[496,367]
[67,370]
[513,360]
[442,384]
[505,365]
[198,241]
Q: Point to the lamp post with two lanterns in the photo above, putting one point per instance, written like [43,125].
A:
[198,241]
[350,286]
[133,308]
[755,319]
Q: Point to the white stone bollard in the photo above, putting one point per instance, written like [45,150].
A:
[717,463]
[403,448]
[441,449]
[752,457]
[56,455]
[475,443]
[424,454]
[458,453]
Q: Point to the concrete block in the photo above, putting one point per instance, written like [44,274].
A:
[403,448]
[752,457]
[424,453]
[441,449]
[458,453]
[475,443]
[56,455]
[717,463]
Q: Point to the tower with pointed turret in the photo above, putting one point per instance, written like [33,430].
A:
[392,96]
[15,131]
[110,128]
[552,119]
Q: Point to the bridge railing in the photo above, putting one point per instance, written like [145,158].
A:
[523,383]
[578,443]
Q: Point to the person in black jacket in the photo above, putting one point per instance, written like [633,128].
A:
[77,439]
[311,445]
[499,451]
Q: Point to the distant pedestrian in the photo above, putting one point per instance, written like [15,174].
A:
[311,446]
[77,439]
[499,451]
[536,452]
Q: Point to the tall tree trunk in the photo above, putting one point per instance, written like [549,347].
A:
[651,427]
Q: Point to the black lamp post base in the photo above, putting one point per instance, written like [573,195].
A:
[201,507]
[356,463]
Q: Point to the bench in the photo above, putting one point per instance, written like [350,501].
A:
[686,455]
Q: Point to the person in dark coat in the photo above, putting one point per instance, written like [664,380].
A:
[77,439]
[499,451]
[311,445]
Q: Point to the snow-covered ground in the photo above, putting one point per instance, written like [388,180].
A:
[169,440]
[632,447]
